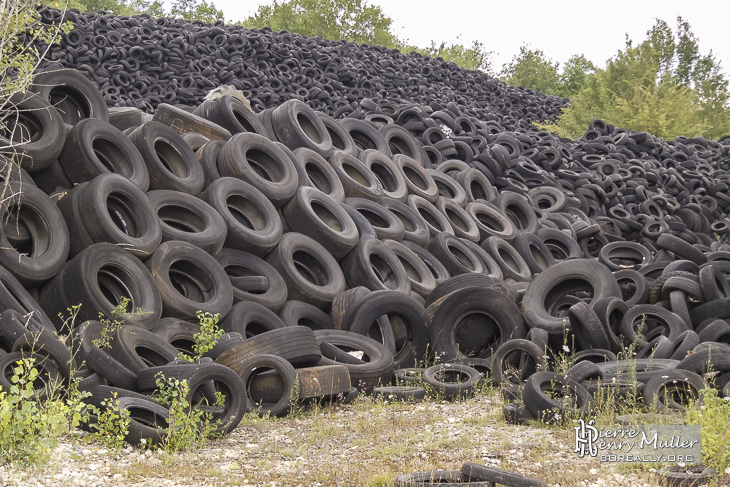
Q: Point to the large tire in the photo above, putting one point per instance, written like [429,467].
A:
[253,279]
[74,96]
[296,344]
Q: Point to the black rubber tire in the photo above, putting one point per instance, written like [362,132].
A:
[548,409]
[114,210]
[517,208]
[534,252]
[421,278]
[659,389]
[455,255]
[509,259]
[208,158]
[251,220]
[31,110]
[451,381]
[297,125]
[419,181]
[74,96]
[472,471]
[562,279]
[253,279]
[314,170]
[623,255]
[47,344]
[341,139]
[365,135]
[260,363]
[44,245]
[316,215]
[681,248]
[139,349]
[225,343]
[449,189]
[415,228]
[171,162]
[147,420]
[587,327]
[659,348]
[13,325]
[111,369]
[408,324]
[231,114]
[461,222]
[357,178]
[178,333]
[634,288]
[473,321]
[583,370]
[385,224]
[99,273]
[716,357]
[372,264]
[251,319]
[377,369]
[684,344]
[435,220]
[490,221]
[324,279]
[560,244]
[689,476]
[189,125]
[296,344]
[299,313]
[46,385]
[388,173]
[189,280]
[410,376]
[190,219]
[261,163]
[499,361]
[650,314]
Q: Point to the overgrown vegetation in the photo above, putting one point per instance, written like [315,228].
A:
[186,9]
[207,338]
[664,86]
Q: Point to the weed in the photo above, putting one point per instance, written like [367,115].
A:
[111,427]
[207,338]
[712,413]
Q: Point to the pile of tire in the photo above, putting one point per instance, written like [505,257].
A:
[342,253]
[143,62]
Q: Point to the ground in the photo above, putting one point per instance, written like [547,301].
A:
[364,444]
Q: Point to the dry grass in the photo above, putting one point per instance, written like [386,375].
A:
[365,444]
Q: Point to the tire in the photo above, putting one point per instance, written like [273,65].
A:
[634,288]
[548,409]
[411,376]
[184,122]
[313,213]
[584,370]
[376,371]
[296,253]
[356,178]
[189,280]
[684,344]
[421,278]
[43,251]
[435,220]
[139,349]
[93,148]
[32,112]
[251,220]
[420,183]
[111,369]
[473,322]
[225,343]
[253,279]
[365,135]
[432,478]
[102,272]
[585,324]
[648,313]
[297,125]
[563,279]
[660,348]
[517,208]
[408,324]
[373,265]
[261,163]
[259,364]
[46,386]
[208,158]
[47,344]
[74,97]
[510,261]
[296,344]
[499,361]
[622,255]
[681,248]
[661,390]
[399,393]
[715,358]
[13,325]
[231,114]
[178,333]
[476,185]
[401,141]
[693,475]
[534,252]
[414,226]
[314,170]
[491,222]
[114,210]
[461,222]
[341,139]
[298,313]
[455,256]
[344,301]
[171,162]
[452,381]
[251,319]
[560,244]
[148,420]
[388,174]
[385,224]
[472,471]
[323,381]
[190,219]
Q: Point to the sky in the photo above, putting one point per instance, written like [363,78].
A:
[559,28]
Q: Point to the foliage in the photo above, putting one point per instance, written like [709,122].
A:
[111,325]
[663,86]
[196,10]
[533,70]
[188,427]
[713,416]
[355,21]
[29,428]
[207,338]
[111,426]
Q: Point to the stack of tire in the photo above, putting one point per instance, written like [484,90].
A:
[342,253]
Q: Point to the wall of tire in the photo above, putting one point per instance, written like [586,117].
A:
[351,213]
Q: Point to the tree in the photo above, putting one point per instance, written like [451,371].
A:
[120,7]
[196,10]
[355,21]
[574,75]
[533,70]
[663,86]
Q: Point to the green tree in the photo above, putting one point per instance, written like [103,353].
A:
[120,7]
[663,85]
[533,70]
[196,10]
[355,21]
[574,75]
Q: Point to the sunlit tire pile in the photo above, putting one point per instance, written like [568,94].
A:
[352,213]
